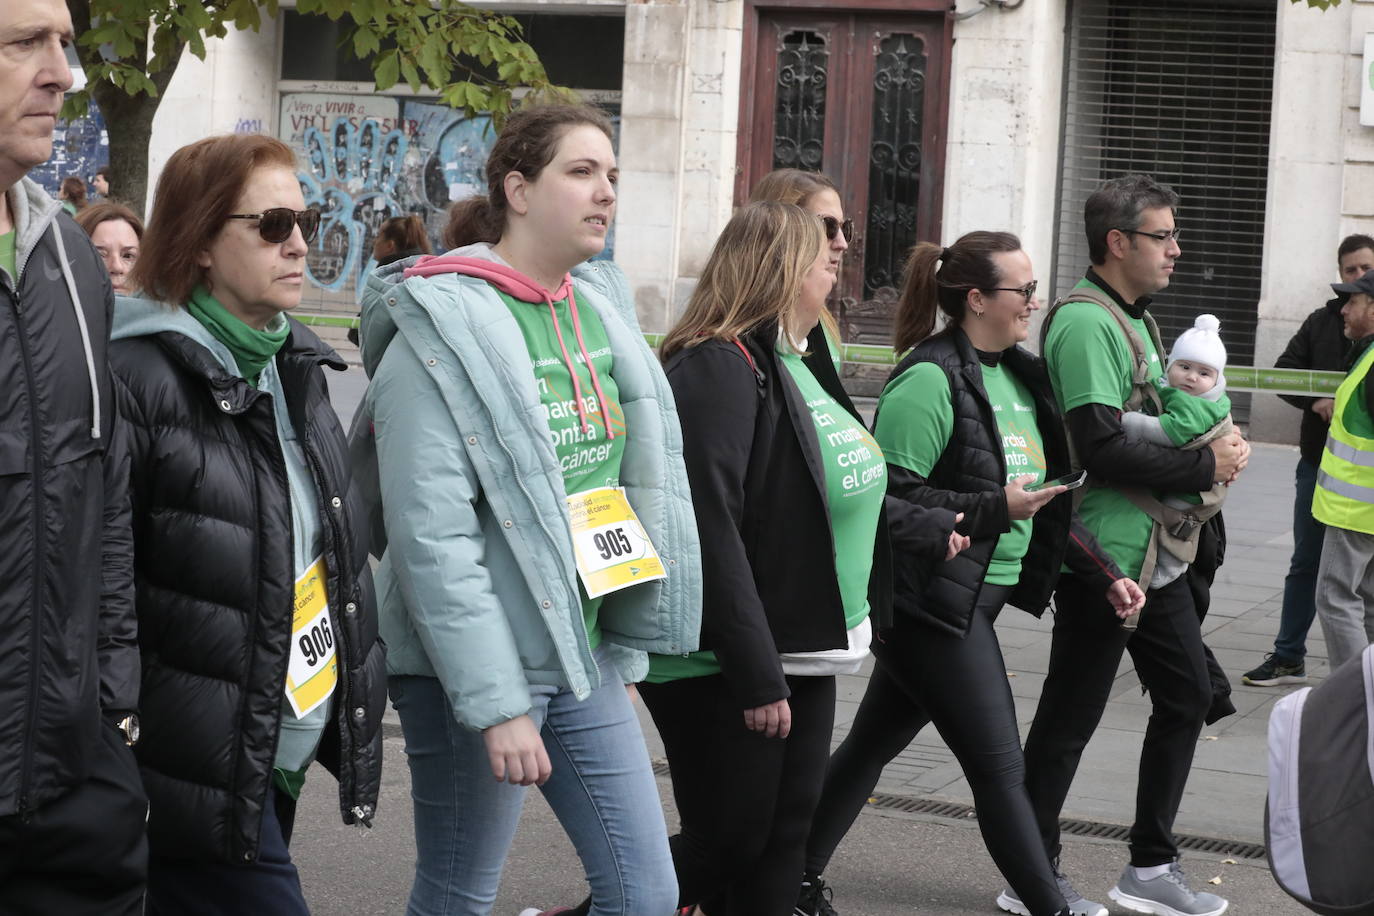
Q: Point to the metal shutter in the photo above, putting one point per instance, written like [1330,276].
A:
[1181,90]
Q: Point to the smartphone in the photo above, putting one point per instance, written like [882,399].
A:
[1072,481]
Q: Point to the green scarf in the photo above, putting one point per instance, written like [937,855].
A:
[252,349]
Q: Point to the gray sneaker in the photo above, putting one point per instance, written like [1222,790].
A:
[1167,895]
[1078,904]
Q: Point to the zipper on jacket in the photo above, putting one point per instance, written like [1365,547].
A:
[342,648]
[518,482]
[36,629]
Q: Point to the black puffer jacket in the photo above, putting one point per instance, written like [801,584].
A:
[67,630]
[970,477]
[215,588]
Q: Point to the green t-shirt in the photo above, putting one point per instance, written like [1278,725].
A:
[1090,362]
[916,420]
[1355,416]
[1187,416]
[855,481]
[8,256]
[588,460]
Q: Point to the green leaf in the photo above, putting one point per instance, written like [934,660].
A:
[365,42]
[386,69]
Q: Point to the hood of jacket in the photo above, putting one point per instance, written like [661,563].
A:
[377,327]
[32,211]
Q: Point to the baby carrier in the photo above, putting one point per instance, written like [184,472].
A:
[1319,817]
[1175,529]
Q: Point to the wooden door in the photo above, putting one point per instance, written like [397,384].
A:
[862,97]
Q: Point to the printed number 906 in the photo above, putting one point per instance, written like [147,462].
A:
[316,642]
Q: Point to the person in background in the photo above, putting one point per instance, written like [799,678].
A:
[72,194]
[526,438]
[100,183]
[1344,496]
[116,232]
[1319,344]
[256,611]
[398,238]
[72,809]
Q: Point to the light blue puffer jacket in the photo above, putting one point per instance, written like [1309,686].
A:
[477,585]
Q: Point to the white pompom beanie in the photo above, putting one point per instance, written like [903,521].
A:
[1202,344]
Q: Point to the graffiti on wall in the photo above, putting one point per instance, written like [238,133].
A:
[368,158]
[78,148]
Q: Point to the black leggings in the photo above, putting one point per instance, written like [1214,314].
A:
[961,685]
[745,800]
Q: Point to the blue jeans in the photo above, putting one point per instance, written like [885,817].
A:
[602,791]
[1300,586]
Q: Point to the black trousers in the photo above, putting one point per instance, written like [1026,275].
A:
[1170,660]
[745,800]
[87,851]
[271,886]
[961,685]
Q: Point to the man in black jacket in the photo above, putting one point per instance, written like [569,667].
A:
[72,808]
[1133,244]
[1319,344]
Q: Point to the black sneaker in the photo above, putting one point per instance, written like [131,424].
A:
[1274,671]
[814,899]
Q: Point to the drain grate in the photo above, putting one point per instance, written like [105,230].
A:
[913,805]
[1071,826]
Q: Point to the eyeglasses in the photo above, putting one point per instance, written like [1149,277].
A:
[1163,235]
[1028,290]
[834,227]
[275,225]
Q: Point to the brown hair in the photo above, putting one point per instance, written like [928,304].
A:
[74,191]
[964,266]
[527,143]
[753,276]
[196,193]
[105,211]
[405,233]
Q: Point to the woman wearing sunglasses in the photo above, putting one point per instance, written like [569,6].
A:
[256,612]
[967,422]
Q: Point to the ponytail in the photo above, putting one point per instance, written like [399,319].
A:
[473,220]
[941,278]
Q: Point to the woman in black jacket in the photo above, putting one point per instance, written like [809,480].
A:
[967,422]
[256,613]
[788,489]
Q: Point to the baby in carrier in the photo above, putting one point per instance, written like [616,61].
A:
[1195,411]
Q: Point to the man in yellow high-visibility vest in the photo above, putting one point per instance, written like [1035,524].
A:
[1344,498]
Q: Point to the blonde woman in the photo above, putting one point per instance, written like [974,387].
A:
[788,488]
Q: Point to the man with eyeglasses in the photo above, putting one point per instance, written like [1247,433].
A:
[72,806]
[1103,354]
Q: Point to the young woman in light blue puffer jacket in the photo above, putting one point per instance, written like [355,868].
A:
[508,385]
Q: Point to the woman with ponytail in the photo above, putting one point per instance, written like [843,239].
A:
[967,422]
[539,525]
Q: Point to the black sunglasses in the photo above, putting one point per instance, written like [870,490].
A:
[834,226]
[1028,290]
[275,225]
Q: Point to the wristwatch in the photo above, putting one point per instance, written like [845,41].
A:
[128,727]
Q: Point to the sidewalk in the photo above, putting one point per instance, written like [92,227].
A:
[900,863]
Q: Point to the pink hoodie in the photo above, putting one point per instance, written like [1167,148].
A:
[518,286]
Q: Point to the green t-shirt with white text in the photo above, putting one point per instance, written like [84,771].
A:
[588,459]
[1090,362]
[916,420]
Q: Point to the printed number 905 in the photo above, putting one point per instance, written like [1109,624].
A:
[612,543]
[316,642]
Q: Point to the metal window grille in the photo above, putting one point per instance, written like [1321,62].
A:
[1181,90]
